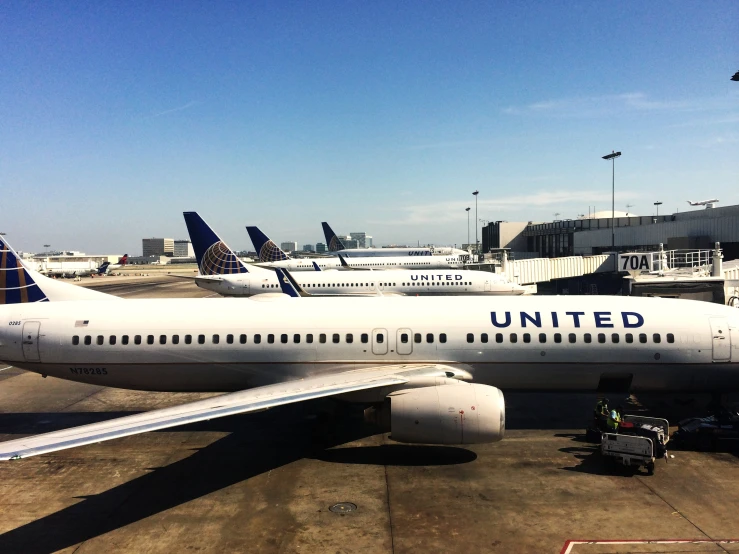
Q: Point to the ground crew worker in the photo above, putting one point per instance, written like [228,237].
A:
[613,420]
[601,408]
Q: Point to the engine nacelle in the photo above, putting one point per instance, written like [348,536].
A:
[447,414]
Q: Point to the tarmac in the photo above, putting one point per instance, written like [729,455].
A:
[266,482]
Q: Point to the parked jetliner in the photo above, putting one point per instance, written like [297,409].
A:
[222,272]
[271,255]
[335,244]
[410,357]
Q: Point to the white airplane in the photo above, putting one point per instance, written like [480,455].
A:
[335,244]
[706,203]
[73,268]
[271,255]
[221,271]
[410,357]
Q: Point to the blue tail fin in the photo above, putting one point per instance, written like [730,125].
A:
[315,266]
[214,257]
[103,268]
[267,250]
[16,284]
[334,243]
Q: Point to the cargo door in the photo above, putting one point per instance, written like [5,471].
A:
[404,343]
[721,339]
[379,341]
[30,341]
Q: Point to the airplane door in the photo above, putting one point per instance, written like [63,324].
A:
[380,286]
[30,341]
[379,341]
[404,343]
[487,285]
[721,340]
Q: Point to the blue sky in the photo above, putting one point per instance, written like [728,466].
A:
[375,116]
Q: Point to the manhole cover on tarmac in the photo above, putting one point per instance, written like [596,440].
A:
[343,508]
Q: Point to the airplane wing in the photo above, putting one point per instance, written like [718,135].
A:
[252,400]
[203,278]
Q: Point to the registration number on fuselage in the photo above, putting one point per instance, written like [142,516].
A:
[88,370]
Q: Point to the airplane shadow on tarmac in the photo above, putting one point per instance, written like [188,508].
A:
[257,444]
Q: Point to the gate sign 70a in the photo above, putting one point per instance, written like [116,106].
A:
[635,262]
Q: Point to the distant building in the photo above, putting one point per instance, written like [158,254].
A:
[308,248]
[363,240]
[350,243]
[289,246]
[157,247]
[183,249]
[320,248]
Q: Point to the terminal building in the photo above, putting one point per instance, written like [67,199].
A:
[696,229]
[157,247]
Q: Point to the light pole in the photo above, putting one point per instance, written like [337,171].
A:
[612,156]
[658,204]
[468,226]
[475,195]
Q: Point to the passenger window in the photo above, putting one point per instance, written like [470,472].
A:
[88,340]
[542,337]
[526,337]
[322,338]
[442,337]
[349,338]
[100,339]
[175,339]
[309,338]
[514,337]
[149,339]
[162,339]
[137,339]
[557,337]
[643,338]
[230,339]
[499,338]
[188,339]
[365,338]
[201,339]
[242,339]
[124,339]
[335,338]
[429,337]
[257,339]
[404,338]
[417,337]
[670,338]
[270,338]
[587,338]
[628,337]
[296,338]
[111,339]
[216,339]
[601,338]
[470,337]
[380,338]
[614,338]
[283,338]
[484,337]
[656,338]
[76,340]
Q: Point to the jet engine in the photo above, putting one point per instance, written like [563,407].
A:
[446,414]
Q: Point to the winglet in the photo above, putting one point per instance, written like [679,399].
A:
[266,249]
[334,242]
[214,257]
[288,284]
[343,262]
[315,266]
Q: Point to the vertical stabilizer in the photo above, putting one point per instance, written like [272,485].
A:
[266,249]
[214,257]
[334,242]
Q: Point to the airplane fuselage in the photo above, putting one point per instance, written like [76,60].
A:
[524,343]
[376,262]
[401,281]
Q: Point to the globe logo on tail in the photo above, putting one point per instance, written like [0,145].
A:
[220,260]
[16,285]
[271,253]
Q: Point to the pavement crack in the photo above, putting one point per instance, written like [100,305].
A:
[389,507]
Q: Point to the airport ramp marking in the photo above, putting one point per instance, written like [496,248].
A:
[569,545]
